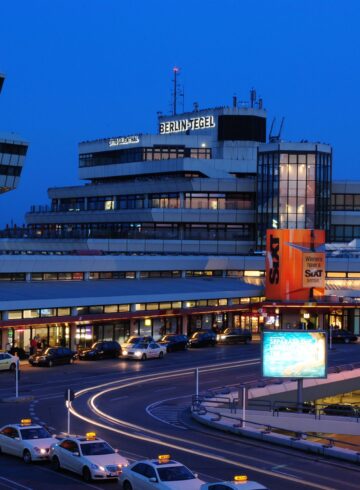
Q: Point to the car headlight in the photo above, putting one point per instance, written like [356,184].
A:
[222,337]
[124,352]
[138,353]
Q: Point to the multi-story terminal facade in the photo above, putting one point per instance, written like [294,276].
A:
[12,155]
[167,233]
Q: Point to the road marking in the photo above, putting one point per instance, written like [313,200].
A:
[14,483]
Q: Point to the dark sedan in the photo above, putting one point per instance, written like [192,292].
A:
[234,336]
[342,409]
[203,339]
[343,336]
[174,342]
[53,356]
[107,349]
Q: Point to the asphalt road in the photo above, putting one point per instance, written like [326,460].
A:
[144,412]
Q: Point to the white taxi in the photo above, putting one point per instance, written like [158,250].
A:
[161,474]
[240,482]
[29,441]
[8,361]
[144,350]
[89,456]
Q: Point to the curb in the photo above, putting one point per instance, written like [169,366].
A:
[14,399]
[282,440]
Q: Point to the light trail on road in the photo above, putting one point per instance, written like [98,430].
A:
[127,429]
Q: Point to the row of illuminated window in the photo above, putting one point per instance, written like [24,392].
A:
[10,170]
[192,200]
[111,275]
[162,231]
[348,202]
[139,154]
[126,308]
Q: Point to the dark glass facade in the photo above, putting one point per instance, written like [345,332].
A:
[241,128]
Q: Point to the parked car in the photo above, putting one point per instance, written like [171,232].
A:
[89,456]
[202,338]
[160,474]
[7,361]
[143,351]
[342,409]
[306,407]
[29,441]
[101,350]
[19,352]
[239,482]
[174,342]
[234,336]
[52,356]
[342,336]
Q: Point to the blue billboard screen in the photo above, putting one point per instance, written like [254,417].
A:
[294,354]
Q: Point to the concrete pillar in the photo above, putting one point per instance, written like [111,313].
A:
[4,338]
[185,321]
[73,339]
[356,322]
[230,315]
[28,277]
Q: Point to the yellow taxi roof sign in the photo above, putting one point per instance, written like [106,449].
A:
[90,436]
[240,478]
[164,458]
[26,422]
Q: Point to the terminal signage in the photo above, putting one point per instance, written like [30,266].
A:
[294,354]
[183,125]
[125,140]
[295,264]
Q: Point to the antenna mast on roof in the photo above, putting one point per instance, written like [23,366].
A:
[177,91]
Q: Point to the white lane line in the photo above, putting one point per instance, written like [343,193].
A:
[14,483]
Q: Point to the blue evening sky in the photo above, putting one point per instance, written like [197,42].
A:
[86,69]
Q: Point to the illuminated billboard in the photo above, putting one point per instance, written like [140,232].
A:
[294,354]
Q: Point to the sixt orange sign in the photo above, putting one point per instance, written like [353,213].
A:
[295,264]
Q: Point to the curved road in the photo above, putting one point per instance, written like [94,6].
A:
[142,409]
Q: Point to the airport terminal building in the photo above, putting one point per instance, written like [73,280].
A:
[168,233]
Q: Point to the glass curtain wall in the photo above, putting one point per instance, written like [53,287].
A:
[294,191]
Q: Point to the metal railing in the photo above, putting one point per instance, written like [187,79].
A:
[239,422]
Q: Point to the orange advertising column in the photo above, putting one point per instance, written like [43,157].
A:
[295,264]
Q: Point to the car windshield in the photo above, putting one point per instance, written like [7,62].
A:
[96,449]
[95,346]
[49,350]
[167,338]
[34,433]
[175,473]
[196,335]
[141,345]
[133,340]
